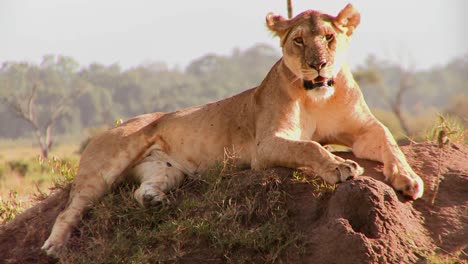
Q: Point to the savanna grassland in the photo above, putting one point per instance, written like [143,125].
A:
[25,175]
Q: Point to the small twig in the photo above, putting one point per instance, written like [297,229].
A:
[442,141]
[437,183]
[289,6]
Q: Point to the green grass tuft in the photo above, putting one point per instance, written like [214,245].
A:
[10,207]
[25,182]
[320,186]
[449,129]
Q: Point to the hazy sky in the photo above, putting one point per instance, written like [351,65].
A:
[426,33]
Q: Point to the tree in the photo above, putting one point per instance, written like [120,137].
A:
[396,103]
[42,132]
[402,82]
[41,104]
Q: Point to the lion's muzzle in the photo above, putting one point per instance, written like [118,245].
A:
[318,82]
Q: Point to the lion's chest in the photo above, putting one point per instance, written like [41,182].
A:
[319,123]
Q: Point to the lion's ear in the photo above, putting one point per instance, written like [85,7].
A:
[348,19]
[277,24]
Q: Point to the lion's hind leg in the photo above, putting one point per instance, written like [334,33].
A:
[157,177]
[82,195]
[99,169]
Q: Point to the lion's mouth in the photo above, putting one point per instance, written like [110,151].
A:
[318,82]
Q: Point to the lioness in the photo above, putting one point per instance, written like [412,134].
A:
[308,98]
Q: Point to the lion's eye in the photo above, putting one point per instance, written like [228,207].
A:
[329,37]
[298,41]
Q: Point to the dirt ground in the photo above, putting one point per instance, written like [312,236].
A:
[362,221]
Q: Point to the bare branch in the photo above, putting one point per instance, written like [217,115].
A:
[397,103]
[61,105]
[30,110]
[55,115]
[395,100]
[19,112]
[28,113]
[16,107]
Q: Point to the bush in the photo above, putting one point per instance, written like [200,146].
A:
[458,108]
[10,207]
[19,166]
[448,128]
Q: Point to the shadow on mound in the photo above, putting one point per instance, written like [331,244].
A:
[276,215]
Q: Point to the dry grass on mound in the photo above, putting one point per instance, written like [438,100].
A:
[218,217]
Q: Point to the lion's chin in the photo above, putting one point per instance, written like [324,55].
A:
[321,93]
[320,89]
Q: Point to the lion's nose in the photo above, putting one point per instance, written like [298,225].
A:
[318,66]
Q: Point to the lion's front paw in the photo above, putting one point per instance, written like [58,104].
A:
[347,170]
[52,248]
[406,181]
[149,197]
[409,186]
[341,171]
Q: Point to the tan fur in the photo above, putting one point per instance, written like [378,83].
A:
[278,123]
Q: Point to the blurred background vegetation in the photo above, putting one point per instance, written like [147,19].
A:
[84,97]
[57,104]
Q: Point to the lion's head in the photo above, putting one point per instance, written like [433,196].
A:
[314,44]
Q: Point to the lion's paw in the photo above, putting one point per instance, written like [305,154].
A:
[347,170]
[340,170]
[149,197]
[408,183]
[52,248]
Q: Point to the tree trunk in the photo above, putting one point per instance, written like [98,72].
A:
[405,85]
[401,120]
[44,153]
